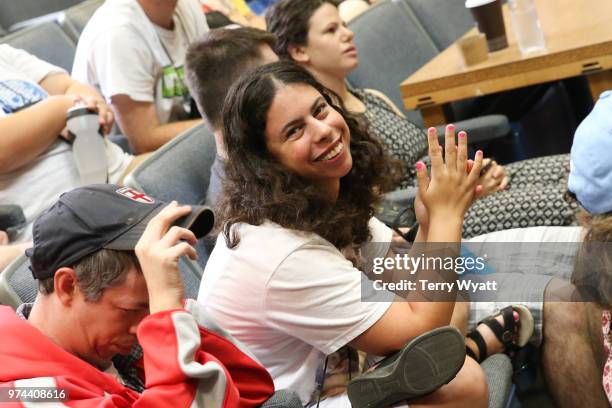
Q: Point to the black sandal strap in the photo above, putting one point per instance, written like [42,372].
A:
[470,353]
[509,328]
[505,333]
[480,343]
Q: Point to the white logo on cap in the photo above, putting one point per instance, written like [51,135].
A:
[135,195]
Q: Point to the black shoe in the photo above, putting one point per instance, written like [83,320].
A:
[423,365]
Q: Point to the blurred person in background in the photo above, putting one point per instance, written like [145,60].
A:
[134,52]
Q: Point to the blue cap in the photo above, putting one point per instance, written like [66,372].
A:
[590,176]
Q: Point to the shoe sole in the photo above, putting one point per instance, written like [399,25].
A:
[425,364]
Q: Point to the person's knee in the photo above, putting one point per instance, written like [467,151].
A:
[467,389]
[472,385]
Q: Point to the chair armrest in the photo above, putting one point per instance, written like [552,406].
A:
[498,372]
[283,399]
[397,208]
[55,17]
[481,129]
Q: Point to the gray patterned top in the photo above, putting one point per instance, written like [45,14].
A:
[404,140]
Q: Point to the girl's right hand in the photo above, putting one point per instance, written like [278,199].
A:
[493,177]
[453,184]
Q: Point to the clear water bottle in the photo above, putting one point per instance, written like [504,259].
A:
[526,25]
[88,147]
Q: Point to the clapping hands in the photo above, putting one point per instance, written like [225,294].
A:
[445,195]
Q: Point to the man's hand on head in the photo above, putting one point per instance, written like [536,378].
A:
[158,252]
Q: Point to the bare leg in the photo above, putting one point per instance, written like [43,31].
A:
[459,319]
[569,353]
[594,311]
[468,389]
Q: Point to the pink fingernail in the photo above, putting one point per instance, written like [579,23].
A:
[419,165]
[516,316]
[450,127]
[431,130]
[462,134]
[479,153]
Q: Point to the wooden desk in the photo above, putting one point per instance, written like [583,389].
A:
[578,40]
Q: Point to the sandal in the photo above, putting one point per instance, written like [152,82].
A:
[423,365]
[511,335]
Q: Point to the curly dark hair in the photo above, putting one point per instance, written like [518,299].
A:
[289,20]
[259,188]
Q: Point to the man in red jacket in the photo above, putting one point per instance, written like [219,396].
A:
[106,258]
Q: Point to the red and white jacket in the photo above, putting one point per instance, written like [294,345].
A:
[185,365]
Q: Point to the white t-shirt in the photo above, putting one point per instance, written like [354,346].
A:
[38,184]
[121,52]
[291,297]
